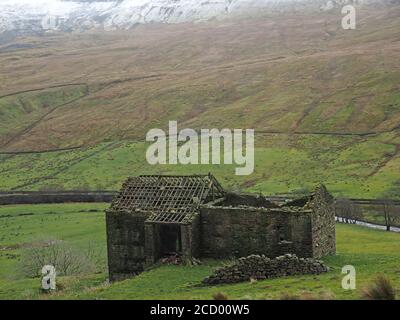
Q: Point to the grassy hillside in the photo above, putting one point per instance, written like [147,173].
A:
[21,112]
[77,225]
[349,166]
[325,102]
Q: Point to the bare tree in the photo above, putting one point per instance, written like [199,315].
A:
[391,213]
[66,260]
[349,211]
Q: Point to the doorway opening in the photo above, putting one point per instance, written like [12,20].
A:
[170,240]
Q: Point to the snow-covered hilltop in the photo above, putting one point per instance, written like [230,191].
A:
[29,16]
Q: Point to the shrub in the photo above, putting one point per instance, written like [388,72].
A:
[220,296]
[380,289]
[325,295]
[289,296]
[66,260]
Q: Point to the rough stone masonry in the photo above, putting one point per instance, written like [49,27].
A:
[154,216]
[261,267]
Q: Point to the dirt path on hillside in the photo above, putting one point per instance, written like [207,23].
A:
[66,166]
[41,118]
[42,89]
[385,161]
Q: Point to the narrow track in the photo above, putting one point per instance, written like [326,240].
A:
[36,122]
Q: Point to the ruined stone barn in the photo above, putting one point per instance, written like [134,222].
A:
[155,216]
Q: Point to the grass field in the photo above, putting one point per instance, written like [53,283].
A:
[370,251]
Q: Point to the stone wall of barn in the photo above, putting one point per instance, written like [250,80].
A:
[151,243]
[305,228]
[228,232]
[190,235]
[323,223]
[125,244]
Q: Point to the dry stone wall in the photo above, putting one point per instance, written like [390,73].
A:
[55,197]
[260,267]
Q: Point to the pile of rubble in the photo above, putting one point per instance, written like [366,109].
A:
[261,267]
[172,259]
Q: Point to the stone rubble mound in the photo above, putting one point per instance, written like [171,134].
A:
[260,267]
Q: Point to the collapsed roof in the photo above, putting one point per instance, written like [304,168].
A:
[170,199]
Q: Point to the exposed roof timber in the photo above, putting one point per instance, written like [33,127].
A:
[171,199]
